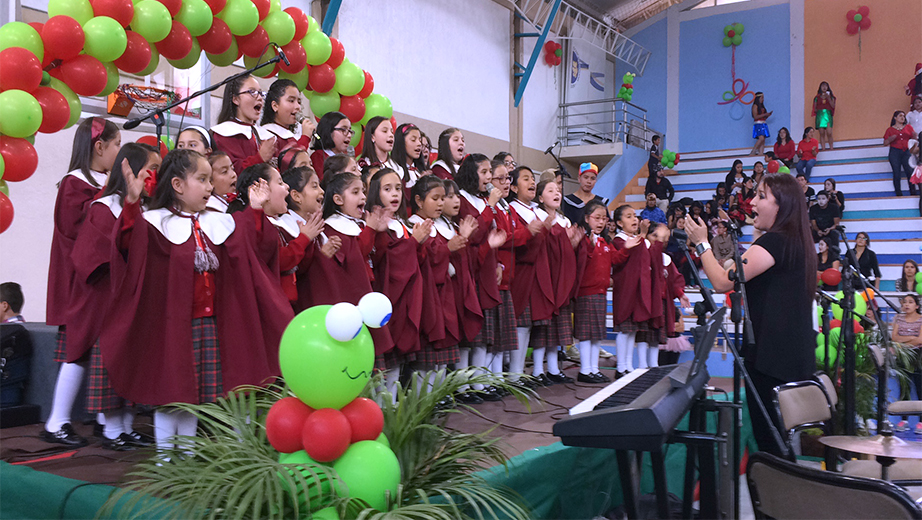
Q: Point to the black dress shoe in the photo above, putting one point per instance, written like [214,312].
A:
[560,378]
[98,430]
[490,393]
[529,382]
[468,398]
[124,442]
[141,440]
[543,380]
[66,436]
[619,374]
[601,378]
[587,378]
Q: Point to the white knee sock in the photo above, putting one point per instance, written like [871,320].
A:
[70,379]
[653,357]
[166,425]
[537,355]
[464,361]
[596,349]
[101,418]
[479,360]
[517,361]
[552,367]
[585,357]
[496,365]
[391,378]
[187,424]
[642,355]
[114,424]
[621,351]
[128,414]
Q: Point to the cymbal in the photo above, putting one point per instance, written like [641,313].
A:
[878,445]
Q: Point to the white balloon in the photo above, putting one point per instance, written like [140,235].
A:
[376,309]
[344,321]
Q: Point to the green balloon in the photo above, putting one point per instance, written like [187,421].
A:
[190,59]
[323,372]
[377,105]
[861,306]
[300,78]
[738,39]
[739,28]
[356,135]
[312,24]
[275,5]
[383,440]
[350,79]
[836,310]
[317,47]
[664,161]
[112,78]
[79,10]
[858,17]
[784,169]
[20,113]
[105,39]
[196,16]
[280,27]
[727,29]
[727,41]
[321,103]
[18,34]
[2,167]
[154,62]
[325,488]
[370,471]
[73,100]
[327,513]
[264,72]
[833,347]
[241,16]
[4,188]
[152,21]
[227,57]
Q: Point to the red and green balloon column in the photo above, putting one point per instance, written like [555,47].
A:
[739,88]
[84,45]
[862,299]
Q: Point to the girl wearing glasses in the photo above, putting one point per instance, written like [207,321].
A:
[234,134]
[334,132]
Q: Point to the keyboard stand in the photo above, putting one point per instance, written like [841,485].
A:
[629,473]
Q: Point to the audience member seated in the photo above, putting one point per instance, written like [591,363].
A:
[722,243]
[674,212]
[696,209]
[808,191]
[907,282]
[867,261]
[15,346]
[11,302]
[741,211]
[660,186]
[824,218]
[735,178]
[827,258]
[907,330]
[806,151]
[836,197]
[677,253]
[758,170]
[652,212]
[897,138]
[785,149]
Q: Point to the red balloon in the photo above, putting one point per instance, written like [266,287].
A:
[773,166]
[218,39]
[549,47]
[858,327]
[253,44]
[6,212]
[296,56]
[55,71]
[394,123]
[321,78]
[301,22]
[865,23]
[864,11]
[850,15]
[263,7]
[285,422]
[677,158]
[852,28]
[216,6]
[136,56]
[63,37]
[326,435]
[177,44]
[352,107]
[831,276]
[20,158]
[338,54]
[85,75]
[38,26]
[21,69]
[369,86]
[55,109]
[151,140]
[835,324]
[173,6]
[365,418]
[121,10]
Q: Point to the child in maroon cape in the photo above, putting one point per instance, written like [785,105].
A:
[506,341]
[334,132]
[96,143]
[235,134]
[656,336]
[194,138]
[473,176]
[223,181]
[532,294]
[397,275]
[673,287]
[91,256]
[591,300]
[377,144]
[450,154]
[198,309]
[563,238]
[633,309]
[281,113]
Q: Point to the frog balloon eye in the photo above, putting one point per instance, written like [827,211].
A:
[376,310]
[344,321]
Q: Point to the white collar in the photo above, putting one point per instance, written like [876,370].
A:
[216,226]
[558,218]
[478,203]
[113,202]
[443,164]
[397,227]
[99,177]
[416,219]
[232,128]
[526,212]
[217,203]
[297,217]
[344,224]
[274,130]
[445,228]
[666,260]
[624,236]
[287,222]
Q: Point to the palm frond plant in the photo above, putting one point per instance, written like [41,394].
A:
[231,471]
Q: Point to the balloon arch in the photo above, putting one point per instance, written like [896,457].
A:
[84,44]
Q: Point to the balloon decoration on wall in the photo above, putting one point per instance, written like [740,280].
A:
[83,46]
[739,88]
[626,92]
[670,159]
[553,53]
[858,20]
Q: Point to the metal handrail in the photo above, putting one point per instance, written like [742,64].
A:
[617,121]
[597,101]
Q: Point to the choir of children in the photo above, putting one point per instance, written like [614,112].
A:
[193,271]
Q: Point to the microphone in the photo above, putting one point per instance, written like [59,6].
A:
[131,123]
[281,54]
[551,148]
[680,234]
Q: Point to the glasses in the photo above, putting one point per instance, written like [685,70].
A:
[254,92]
[509,163]
[502,180]
[346,131]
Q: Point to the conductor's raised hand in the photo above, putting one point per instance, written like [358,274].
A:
[697,233]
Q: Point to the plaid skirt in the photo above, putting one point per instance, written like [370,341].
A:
[589,317]
[100,397]
[505,339]
[428,357]
[653,337]
[393,359]
[525,319]
[206,359]
[60,346]
[487,334]
[630,326]
[558,333]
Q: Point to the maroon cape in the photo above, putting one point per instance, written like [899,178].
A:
[565,270]
[396,266]
[482,256]
[672,289]
[147,342]
[467,305]
[532,284]
[243,152]
[636,294]
[437,292]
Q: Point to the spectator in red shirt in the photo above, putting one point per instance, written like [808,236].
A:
[897,137]
[824,106]
[784,147]
[807,150]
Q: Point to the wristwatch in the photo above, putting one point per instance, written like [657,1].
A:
[701,248]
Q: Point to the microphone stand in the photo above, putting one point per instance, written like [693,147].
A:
[156,115]
[560,166]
